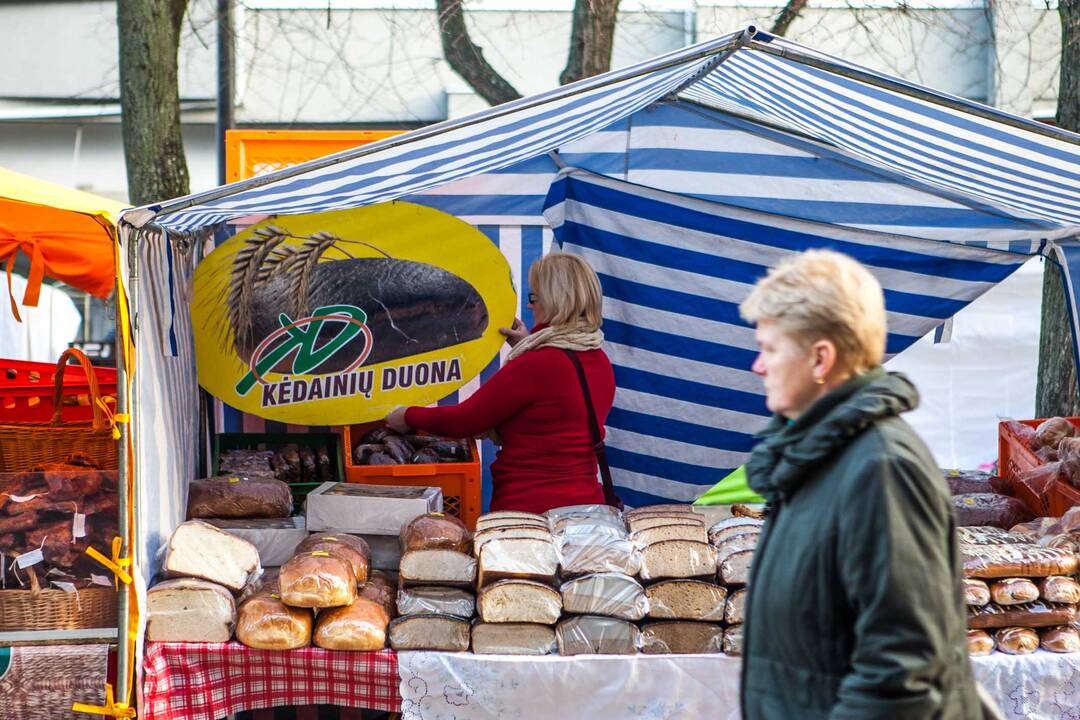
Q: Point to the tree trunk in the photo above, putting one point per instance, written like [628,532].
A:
[149,33]
[467,59]
[1056,391]
[591,39]
[787,16]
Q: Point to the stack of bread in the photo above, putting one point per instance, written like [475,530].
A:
[1020,595]
[437,573]
[600,595]
[735,540]
[323,594]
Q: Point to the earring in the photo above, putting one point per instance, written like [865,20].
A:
[819,381]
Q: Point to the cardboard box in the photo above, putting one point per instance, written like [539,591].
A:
[276,539]
[368,509]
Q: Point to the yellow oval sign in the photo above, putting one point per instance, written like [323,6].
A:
[337,318]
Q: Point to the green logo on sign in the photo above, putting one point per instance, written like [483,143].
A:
[300,336]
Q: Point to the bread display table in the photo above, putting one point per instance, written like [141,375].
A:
[208,681]
[1040,686]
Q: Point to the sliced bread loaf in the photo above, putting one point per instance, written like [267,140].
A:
[677,559]
[519,601]
[686,600]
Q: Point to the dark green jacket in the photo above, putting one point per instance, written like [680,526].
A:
[856,606]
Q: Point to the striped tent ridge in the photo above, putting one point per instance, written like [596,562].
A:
[674,270]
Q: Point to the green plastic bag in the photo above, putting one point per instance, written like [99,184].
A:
[732,489]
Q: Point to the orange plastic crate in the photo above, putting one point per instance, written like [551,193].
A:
[1014,459]
[26,391]
[460,482]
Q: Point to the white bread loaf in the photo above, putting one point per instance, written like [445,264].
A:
[437,567]
[585,549]
[520,518]
[189,610]
[521,558]
[513,639]
[594,635]
[430,632]
[686,600]
[671,559]
[610,594]
[360,625]
[509,531]
[266,623]
[198,549]
[317,579]
[677,637]
[519,601]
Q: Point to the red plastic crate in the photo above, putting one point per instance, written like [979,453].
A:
[26,391]
[1061,497]
[460,482]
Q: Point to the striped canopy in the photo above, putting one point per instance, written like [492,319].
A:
[692,173]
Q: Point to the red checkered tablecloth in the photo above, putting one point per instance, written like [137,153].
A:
[208,681]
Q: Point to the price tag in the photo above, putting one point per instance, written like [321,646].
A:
[100,580]
[65,586]
[78,526]
[30,558]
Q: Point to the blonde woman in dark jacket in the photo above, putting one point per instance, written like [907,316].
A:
[856,605]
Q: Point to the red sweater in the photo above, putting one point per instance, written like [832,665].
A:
[535,403]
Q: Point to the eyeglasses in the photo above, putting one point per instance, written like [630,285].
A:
[532,298]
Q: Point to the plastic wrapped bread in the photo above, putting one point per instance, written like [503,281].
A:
[555,514]
[361,625]
[583,550]
[672,559]
[645,522]
[513,639]
[735,610]
[1064,639]
[198,549]
[730,546]
[989,535]
[676,637]
[515,517]
[1060,589]
[649,536]
[1001,511]
[436,600]
[519,601]
[1013,591]
[509,531]
[189,610]
[595,635]
[317,580]
[430,632]
[267,623]
[436,531]
[348,547]
[437,567]
[1004,561]
[611,594]
[520,558]
[733,526]
[979,642]
[735,569]
[686,600]
[582,522]
[976,592]
[659,509]
[1033,614]
[382,590]
[1016,640]
[505,522]
[733,640]
[238,497]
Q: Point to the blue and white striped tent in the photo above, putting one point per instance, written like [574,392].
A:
[681,179]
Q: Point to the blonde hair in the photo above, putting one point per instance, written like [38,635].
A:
[822,294]
[569,290]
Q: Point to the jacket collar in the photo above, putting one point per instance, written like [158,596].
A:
[789,451]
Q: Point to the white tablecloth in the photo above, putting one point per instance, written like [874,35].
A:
[458,686]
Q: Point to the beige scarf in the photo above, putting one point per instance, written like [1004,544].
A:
[564,337]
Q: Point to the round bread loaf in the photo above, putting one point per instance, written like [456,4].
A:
[436,531]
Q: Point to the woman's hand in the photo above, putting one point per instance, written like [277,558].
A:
[515,334]
[396,420]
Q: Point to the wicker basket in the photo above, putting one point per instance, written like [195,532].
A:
[40,608]
[27,445]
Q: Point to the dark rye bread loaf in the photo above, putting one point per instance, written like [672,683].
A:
[675,637]
[430,632]
[686,600]
[593,635]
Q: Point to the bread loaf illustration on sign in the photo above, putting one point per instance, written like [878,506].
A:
[409,307]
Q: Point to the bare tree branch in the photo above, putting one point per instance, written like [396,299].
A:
[787,16]
[467,59]
[591,39]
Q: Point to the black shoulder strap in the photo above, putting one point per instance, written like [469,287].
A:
[610,496]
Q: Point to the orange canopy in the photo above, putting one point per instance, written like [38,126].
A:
[67,235]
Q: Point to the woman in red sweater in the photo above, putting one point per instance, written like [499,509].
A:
[535,402]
